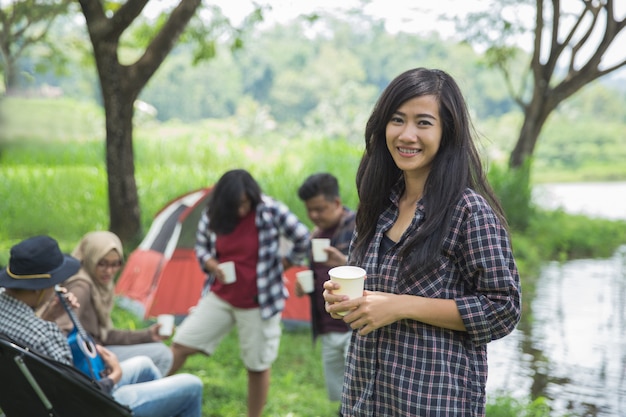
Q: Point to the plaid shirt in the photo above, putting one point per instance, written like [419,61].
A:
[19,322]
[410,368]
[273,220]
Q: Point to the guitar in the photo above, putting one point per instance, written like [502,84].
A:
[86,357]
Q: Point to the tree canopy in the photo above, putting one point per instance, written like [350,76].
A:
[25,24]
[569,51]
[319,75]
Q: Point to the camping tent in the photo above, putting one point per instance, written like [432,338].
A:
[163,276]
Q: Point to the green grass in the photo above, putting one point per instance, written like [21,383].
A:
[54,182]
[297,385]
[57,184]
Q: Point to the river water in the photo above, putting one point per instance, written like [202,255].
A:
[571,344]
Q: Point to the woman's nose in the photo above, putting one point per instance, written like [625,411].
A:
[409,132]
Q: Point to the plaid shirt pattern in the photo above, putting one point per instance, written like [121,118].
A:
[409,368]
[19,322]
[273,220]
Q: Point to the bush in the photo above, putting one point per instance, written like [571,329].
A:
[513,188]
[505,406]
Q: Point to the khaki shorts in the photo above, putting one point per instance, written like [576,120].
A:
[213,318]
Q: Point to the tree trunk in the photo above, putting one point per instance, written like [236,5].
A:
[125,219]
[535,117]
[10,74]
[121,85]
[561,62]
[12,85]
[119,97]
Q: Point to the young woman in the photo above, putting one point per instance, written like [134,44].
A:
[243,226]
[101,256]
[441,279]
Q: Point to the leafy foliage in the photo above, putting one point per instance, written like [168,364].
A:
[504,406]
[25,25]
[514,190]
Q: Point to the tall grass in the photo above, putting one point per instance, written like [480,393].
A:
[57,184]
[54,182]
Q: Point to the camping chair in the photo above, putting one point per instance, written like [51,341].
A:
[36,386]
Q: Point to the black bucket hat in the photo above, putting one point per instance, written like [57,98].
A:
[37,263]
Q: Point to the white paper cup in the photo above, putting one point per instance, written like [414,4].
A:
[228,268]
[317,247]
[167,324]
[305,278]
[351,279]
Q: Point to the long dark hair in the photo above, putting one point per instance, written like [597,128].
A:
[456,166]
[225,199]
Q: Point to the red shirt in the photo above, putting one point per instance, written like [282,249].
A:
[242,247]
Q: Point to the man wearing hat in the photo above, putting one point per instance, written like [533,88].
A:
[36,265]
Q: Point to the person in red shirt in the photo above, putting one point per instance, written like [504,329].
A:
[244,226]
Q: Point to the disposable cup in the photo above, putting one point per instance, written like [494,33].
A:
[351,279]
[317,247]
[167,324]
[228,268]
[305,278]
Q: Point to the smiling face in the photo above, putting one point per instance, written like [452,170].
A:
[413,135]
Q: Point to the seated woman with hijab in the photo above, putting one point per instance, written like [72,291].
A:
[101,256]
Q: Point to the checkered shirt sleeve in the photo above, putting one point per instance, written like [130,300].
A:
[409,368]
[19,322]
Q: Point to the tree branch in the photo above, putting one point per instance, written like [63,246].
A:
[163,42]
[612,68]
[535,62]
[97,22]
[31,40]
[516,95]
[25,15]
[612,30]
[595,12]
[124,16]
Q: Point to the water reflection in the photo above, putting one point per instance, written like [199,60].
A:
[571,345]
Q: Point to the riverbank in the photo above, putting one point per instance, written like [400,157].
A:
[565,349]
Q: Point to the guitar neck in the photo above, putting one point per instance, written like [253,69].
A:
[70,312]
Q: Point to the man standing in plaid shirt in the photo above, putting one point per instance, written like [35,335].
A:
[320,194]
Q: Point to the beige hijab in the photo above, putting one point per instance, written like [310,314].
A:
[90,250]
